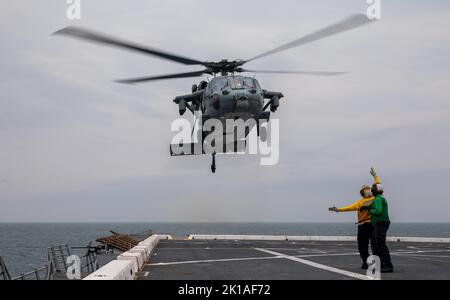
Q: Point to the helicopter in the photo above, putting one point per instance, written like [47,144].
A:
[228,96]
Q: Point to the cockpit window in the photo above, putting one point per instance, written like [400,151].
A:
[235,83]
[249,83]
[217,85]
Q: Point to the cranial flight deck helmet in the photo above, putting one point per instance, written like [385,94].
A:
[377,189]
[365,191]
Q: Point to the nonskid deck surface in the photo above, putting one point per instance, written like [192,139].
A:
[276,260]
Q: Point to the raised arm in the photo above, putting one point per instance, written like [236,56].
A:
[376,179]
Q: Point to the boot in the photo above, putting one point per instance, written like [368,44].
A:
[387,269]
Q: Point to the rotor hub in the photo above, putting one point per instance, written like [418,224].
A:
[225,66]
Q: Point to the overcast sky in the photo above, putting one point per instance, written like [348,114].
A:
[74,146]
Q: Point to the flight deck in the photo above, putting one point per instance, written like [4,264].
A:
[279,258]
[269,260]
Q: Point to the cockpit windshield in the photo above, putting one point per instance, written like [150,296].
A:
[218,84]
[243,83]
[249,83]
[236,83]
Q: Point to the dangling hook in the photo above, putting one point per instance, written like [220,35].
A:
[213,165]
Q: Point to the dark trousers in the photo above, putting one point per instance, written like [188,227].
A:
[365,234]
[381,249]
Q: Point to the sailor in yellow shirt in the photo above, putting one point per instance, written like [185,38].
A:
[365,229]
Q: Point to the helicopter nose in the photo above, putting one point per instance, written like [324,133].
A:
[241,101]
[241,97]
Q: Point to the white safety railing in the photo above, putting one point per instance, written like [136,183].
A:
[129,263]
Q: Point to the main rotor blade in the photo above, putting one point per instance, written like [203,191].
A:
[100,38]
[351,22]
[313,73]
[170,76]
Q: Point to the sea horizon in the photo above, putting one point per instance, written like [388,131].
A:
[197,222]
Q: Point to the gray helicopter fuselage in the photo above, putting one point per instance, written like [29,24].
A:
[233,97]
[230,97]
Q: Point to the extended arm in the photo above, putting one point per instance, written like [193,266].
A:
[354,207]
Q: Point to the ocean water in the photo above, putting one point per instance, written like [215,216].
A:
[24,246]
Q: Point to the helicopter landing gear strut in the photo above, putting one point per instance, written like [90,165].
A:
[213,164]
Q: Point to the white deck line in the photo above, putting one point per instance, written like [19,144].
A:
[403,253]
[211,261]
[316,265]
[311,238]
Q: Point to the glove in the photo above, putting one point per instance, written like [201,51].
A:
[334,208]
[372,172]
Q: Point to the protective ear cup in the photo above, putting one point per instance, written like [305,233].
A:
[377,189]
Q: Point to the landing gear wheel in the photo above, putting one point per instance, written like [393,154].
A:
[213,165]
